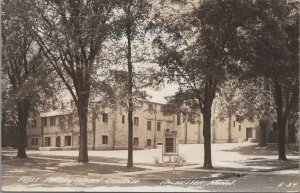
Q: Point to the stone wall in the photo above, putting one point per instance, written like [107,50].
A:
[111,132]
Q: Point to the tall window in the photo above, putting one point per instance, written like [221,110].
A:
[158,128]
[47,141]
[150,107]
[33,123]
[104,139]
[44,121]
[162,108]
[105,117]
[149,125]
[123,119]
[178,118]
[67,140]
[70,120]
[52,121]
[34,141]
[136,121]
[61,120]
[136,141]
[148,142]
[240,127]
[233,123]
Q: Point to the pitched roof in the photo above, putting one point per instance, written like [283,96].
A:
[55,113]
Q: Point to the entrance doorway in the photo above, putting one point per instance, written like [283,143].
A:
[58,141]
[248,133]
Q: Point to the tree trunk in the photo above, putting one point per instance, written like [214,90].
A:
[155,127]
[130,136]
[3,119]
[229,127]
[82,109]
[186,130]
[94,129]
[199,129]
[281,121]
[130,100]
[23,113]
[209,95]
[281,139]
[292,131]
[207,137]
[263,133]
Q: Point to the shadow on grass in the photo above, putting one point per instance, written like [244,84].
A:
[270,149]
[277,164]
[259,165]
[70,167]
[91,158]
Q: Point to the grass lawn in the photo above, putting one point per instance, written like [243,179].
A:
[71,167]
[270,149]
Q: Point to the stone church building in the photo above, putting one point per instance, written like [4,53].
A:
[108,128]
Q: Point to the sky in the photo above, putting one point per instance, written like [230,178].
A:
[158,95]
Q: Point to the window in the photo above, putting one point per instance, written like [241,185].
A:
[61,120]
[58,118]
[150,107]
[34,141]
[233,123]
[123,119]
[105,117]
[149,125]
[136,121]
[239,127]
[104,139]
[47,141]
[33,123]
[57,141]
[69,121]
[68,140]
[44,121]
[148,142]
[162,108]
[178,118]
[135,141]
[52,121]
[158,126]
[165,108]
